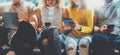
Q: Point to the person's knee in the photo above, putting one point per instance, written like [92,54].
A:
[70,42]
[84,43]
[72,46]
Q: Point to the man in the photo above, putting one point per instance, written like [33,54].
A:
[106,15]
[25,12]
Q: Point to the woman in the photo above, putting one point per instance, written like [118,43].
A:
[51,13]
[24,10]
[81,29]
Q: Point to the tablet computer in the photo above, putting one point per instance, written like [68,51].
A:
[9,18]
[68,21]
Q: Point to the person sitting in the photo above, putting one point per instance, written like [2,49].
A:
[80,34]
[52,13]
[23,9]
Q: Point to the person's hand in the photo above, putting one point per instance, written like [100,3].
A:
[75,26]
[96,29]
[103,28]
[66,29]
[39,29]
[16,22]
[62,28]
[11,53]
[33,24]
[43,27]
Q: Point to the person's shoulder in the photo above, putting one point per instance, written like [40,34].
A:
[38,8]
[116,3]
[64,8]
[89,9]
[68,8]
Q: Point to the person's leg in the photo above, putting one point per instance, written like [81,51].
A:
[1,51]
[39,35]
[84,45]
[58,40]
[100,44]
[71,45]
[117,43]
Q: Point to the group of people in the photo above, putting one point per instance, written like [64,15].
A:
[80,34]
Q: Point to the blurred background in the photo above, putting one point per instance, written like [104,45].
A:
[91,3]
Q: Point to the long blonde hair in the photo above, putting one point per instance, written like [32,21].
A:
[83,4]
[44,4]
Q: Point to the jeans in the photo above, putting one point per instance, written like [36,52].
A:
[117,42]
[71,43]
[101,44]
[56,38]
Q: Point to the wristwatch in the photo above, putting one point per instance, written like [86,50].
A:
[80,28]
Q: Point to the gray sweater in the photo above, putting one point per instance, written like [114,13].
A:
[109,14]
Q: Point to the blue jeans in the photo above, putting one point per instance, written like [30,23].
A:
[56,38]
[117,42]
[71,43]
[102,44]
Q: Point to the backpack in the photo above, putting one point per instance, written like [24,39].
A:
[53,47]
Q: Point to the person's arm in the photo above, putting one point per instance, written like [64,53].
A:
[89,20]
[34,17]
[96,29]
[31,11]
[65,13]
[38,14]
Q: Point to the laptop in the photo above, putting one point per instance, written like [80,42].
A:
[9,18]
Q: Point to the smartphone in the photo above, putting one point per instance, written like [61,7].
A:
[110,26]
[47,24]
[68,21]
